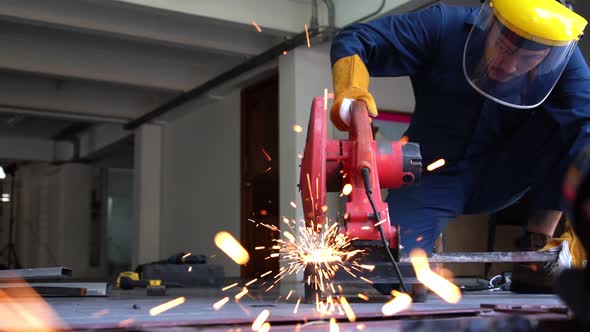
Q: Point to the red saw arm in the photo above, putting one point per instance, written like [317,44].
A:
[329,165]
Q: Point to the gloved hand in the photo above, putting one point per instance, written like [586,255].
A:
[351,81]
[577,251]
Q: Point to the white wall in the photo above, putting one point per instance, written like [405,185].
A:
[53,217]
[201,180]
[147,194]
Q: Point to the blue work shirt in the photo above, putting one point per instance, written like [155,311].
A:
[505,150]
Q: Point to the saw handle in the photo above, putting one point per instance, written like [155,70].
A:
[361,133]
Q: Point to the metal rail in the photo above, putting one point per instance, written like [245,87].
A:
[36,274]
[491,257]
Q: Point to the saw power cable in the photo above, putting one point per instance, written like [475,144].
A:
[367,180]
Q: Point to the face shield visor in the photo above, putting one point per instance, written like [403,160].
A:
[517,50]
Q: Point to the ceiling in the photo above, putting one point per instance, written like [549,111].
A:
[72,63]
[19,125]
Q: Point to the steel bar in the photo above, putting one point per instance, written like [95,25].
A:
[36,274]
[491,257]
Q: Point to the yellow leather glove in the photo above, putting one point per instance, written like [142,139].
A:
[575,245]
[351,80]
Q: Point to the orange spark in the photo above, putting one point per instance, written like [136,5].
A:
[185,256]
[400,302]
[404,140]
[325,99]
[368,267]
[289,295]
[259,248]
[229,286]
[363,296]
[190,268]
[100,313]
[366,228]
[217,305]
[33,314]
[241,294]
[297,128]
[231,247]
[262,317]
[263,212]
[437,164]
[334,325]
[297,305]
[256,26]
[166,306]
[366,280]
[265,274]
[293,205]
[321,246]
[126,322]
[307,36]
[300,156]
[285,52]
[380,222]
[361,326]
[289,236]
[265,327]
[439,285]
[325,208]
[347,309]
[347,189]
[266,155]
[419,238]
[251,282]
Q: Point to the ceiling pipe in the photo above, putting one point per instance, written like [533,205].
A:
[201,90]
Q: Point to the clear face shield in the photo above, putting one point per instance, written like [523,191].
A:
[510,65]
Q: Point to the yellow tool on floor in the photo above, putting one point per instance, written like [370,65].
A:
[131,280]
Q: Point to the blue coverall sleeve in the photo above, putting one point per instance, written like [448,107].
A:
[397,45]
[569,103]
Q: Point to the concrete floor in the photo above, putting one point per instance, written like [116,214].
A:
[130,310]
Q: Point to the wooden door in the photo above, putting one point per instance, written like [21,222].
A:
[260,173]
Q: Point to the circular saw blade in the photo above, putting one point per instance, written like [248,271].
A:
[312,177]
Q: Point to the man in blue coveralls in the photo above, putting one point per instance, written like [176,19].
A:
[502,94]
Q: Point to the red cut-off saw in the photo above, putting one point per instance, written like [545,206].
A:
[330,165]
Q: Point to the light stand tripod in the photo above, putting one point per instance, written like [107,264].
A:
[10,249]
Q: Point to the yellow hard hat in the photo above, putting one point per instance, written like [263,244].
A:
[517,49]
[544,21]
